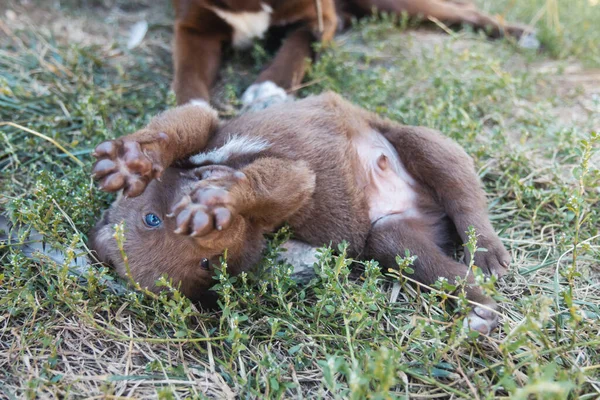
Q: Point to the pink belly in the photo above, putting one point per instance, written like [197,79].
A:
[386,183]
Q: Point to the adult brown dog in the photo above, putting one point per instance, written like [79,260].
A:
[332,170]
[203,26]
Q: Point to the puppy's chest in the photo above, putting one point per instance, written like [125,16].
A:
[246,25]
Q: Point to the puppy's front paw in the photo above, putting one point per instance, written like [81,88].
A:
[210,207]
[128,164]
[262,95]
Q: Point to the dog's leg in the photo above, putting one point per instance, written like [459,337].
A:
[289,65]
[447,171]
[393,235]
[132,161]
[285,71]
[196,58]
[451,12]
[229,208]
[266,192]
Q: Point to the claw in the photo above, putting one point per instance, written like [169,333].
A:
[177,208]
[182,221]
[157,172]
[222,218]
[163,137]
[218,171]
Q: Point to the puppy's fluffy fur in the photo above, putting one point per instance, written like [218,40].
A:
[331,170]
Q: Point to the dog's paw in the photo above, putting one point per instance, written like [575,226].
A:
[127,164]
[262,95]
[529,40]
[481,320]
[210,207]
[524,34]
[495,260]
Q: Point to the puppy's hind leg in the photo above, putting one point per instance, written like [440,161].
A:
[392,235]
[447,171]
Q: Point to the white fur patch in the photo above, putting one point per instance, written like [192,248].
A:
[203,104]
[246,25]
[236,145]
[200,103]
[261,91]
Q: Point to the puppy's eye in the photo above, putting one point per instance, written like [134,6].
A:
[205,264]
[152,220]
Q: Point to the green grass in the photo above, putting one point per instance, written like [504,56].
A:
[566,28]
[340,336]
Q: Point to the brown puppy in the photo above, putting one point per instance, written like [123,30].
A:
[203,26]
[331,170]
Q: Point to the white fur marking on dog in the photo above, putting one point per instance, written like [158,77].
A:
[203,104]
[262,91]
[200,103]
[236,145]
[246,25]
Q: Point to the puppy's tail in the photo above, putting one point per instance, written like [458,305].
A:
[34,246]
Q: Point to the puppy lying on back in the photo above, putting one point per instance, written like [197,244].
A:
[203,26]
[331,170]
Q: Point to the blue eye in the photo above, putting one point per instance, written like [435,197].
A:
[152,220]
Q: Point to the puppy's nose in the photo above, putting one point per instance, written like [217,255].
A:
[205,264]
